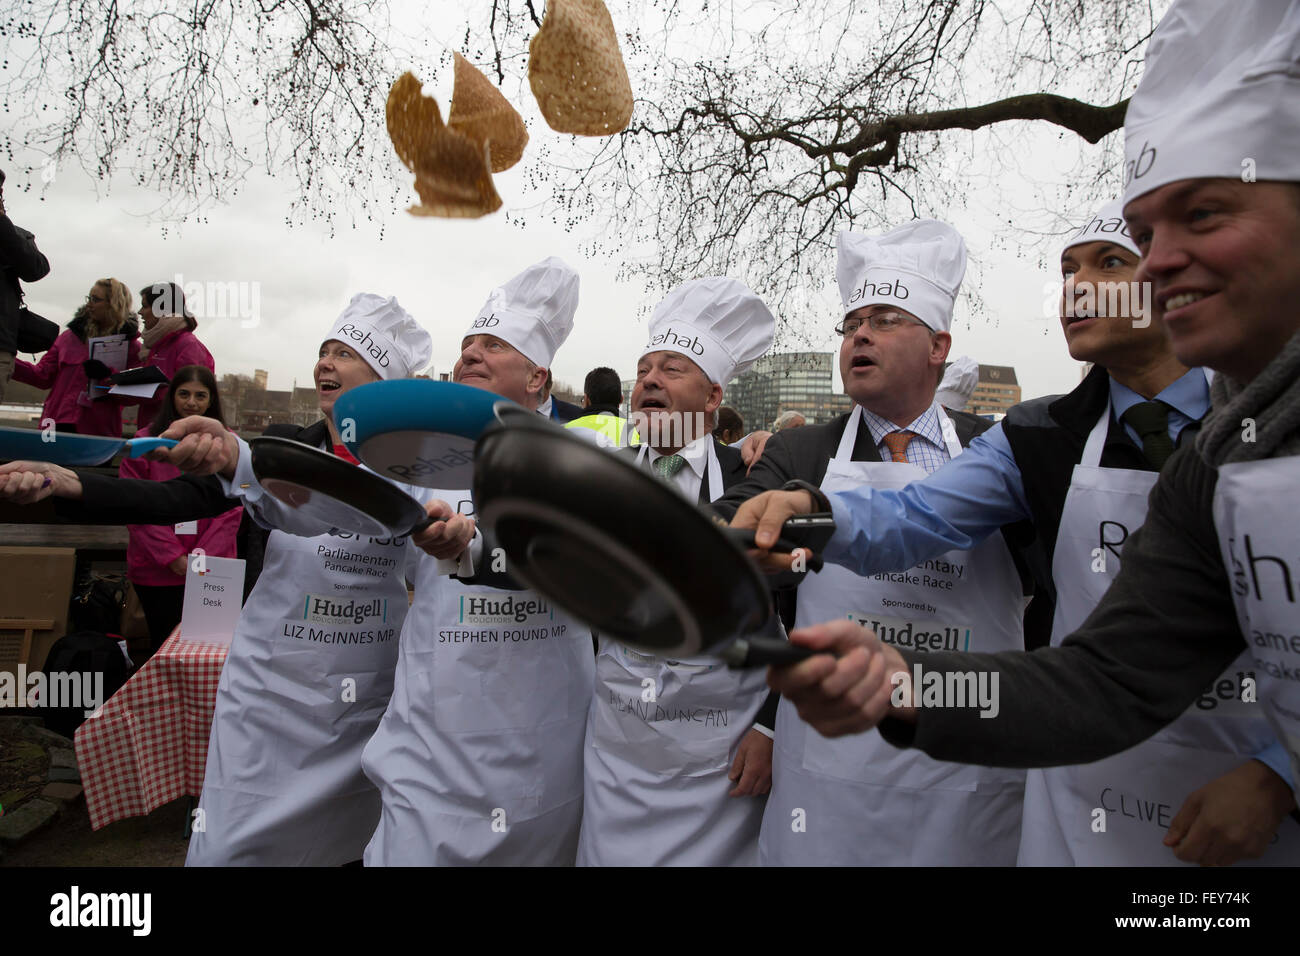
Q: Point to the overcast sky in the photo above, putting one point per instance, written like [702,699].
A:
[299,278]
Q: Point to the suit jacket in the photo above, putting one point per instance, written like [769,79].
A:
[110,500]
[805,452]
[564,412]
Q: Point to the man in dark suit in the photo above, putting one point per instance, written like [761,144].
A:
[898,291]
[661,788]
[556,408]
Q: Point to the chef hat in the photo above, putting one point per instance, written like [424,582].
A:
[959,381]
[917,267]
[717,323]
[533,311]
[1220,97]
[384,334]
[1107,226]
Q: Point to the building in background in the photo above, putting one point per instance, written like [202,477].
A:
[997,391]
[802,382]
[250,406]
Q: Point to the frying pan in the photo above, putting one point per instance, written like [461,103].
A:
[416,430]
[621,550]
[69,448]
[333,491]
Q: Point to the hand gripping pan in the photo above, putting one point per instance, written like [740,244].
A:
[621,550]
[333,491]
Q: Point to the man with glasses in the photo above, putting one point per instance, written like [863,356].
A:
[898,291]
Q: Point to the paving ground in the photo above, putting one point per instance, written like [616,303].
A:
[155,840]
[25,758]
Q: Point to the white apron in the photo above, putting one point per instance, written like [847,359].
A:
[479,758]
[857,800]
[1140,790]
[661,738]
[1258,525]
[308,676]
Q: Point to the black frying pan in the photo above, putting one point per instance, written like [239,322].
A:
[328,489]
[620,550]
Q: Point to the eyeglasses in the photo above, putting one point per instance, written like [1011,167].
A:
[96,298]
[880,322]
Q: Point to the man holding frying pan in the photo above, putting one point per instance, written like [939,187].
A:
[859,801]
[479,758]
[677,759]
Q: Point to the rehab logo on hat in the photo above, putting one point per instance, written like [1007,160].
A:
[717,323]
[1219,98]
[385,335]
[917,266]
[533,311]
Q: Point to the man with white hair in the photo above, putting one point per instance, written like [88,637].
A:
[479,757]
[1212,199]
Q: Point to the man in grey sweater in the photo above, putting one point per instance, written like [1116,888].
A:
[1221,252]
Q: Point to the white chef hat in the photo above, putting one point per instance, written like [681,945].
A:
[917,267]
[1220,96]
[717,323]
[1107,226]
[959,381]
[384,334]
[533,311]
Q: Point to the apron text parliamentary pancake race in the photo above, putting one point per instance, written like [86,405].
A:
[857,800]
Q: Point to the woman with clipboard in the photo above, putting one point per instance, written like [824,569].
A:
[101,339]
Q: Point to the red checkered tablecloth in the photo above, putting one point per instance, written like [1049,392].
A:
[149,743]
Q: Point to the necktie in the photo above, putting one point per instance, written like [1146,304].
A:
[1151,421]
[668,465]
[897,443]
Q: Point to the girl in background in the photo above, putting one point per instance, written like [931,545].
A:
[157,555]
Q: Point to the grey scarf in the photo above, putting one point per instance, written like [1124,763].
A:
[1271,401]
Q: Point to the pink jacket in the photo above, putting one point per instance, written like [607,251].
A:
[154,546]
[60,371]
[172,354]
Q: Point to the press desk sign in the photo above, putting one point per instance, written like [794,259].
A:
[214,592]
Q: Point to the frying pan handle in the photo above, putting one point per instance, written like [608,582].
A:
[745,538]
[424,524]
[764,651]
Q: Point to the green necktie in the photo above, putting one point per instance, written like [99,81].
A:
[1151,421]
[668,465]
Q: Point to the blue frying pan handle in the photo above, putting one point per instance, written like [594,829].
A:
[137,447]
